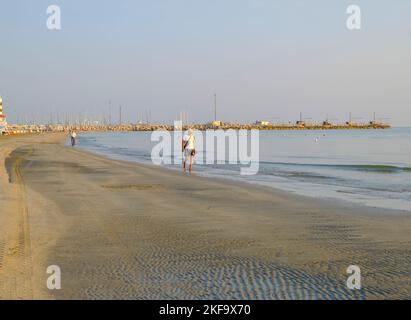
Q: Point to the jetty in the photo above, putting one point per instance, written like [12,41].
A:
[11,129]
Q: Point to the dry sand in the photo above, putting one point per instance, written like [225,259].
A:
[120,230]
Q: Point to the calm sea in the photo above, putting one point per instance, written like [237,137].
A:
[371,167]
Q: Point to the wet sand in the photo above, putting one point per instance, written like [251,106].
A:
[121,230]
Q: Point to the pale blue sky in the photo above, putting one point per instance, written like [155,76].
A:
[263,58]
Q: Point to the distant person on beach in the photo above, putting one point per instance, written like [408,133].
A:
[189,149]
[73,136]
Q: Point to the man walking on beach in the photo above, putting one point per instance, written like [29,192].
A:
[188,147]
[73,136]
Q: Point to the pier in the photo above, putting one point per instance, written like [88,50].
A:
[33,128]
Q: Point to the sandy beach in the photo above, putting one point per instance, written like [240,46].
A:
[122,230]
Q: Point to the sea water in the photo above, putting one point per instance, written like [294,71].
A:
[370,167]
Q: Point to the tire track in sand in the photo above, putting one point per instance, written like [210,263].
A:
[15,249]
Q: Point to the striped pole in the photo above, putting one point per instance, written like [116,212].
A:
[2,116]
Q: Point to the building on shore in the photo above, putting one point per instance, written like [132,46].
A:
[263,123]
[216,123]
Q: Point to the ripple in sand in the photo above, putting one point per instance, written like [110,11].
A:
[133,186]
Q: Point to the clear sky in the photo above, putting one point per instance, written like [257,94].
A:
[265,59]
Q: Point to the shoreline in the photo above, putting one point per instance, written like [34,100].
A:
[124,230]
[293,196]
[330,199]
